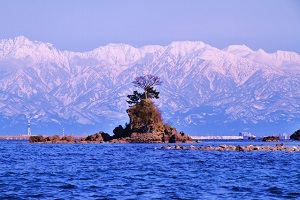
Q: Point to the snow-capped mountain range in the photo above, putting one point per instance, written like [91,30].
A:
[205,90]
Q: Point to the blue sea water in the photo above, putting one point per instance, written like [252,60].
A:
[143,171]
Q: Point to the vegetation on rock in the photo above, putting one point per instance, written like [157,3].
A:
[147,83]
[146,124]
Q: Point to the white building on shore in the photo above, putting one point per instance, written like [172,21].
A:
[284,136]
[247,135]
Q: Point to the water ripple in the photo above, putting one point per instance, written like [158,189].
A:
[141,171]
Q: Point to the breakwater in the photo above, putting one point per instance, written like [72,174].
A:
[18,137]
[224,147]
[217,137]
[26,137]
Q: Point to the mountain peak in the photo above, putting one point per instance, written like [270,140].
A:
[287,56]
[17,42]
[21,38]
[20,41]
[182,48]
[261,51]
[188,44]
[21,47]
[235,48]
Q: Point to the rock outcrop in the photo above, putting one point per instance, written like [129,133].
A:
[36,139]
[146,126]
[270,139]
[97,138]
[51,139]
[296,135]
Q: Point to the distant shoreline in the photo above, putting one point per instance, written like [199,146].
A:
[26,137]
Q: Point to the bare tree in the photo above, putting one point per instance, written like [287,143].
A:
[147,83]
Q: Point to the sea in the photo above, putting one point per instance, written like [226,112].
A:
[145,171]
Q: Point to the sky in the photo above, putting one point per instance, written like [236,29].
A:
[83,25]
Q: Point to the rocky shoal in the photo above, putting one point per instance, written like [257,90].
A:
[224,147]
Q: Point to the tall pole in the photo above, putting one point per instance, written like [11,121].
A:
[28,128]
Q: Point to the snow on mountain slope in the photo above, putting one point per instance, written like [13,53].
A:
[278,58]
[205,90]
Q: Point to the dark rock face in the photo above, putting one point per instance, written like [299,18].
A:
[35,139]
[240,148]
[51,139]
[296,135]
[106,137]
[54,138]
[96,138]
[68,139]
[144,138]
[120,132]
[172,136]
[270,139]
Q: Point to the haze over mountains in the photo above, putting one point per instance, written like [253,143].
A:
[205,90]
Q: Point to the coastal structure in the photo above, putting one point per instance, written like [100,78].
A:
[217,137]
[241,136]
[247,135]
[28,127]
[284,136]
[14,137]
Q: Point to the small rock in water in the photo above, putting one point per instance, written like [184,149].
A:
[239,148]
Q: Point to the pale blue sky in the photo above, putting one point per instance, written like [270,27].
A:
[81,25]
